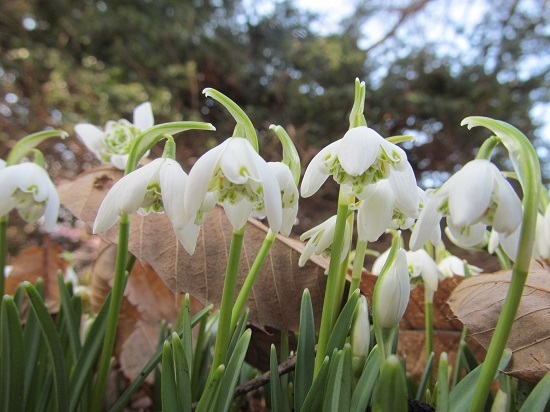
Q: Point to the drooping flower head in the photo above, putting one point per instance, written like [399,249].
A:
[321,238]
[28,188]
[474,197]
[451,266]
[392,292]
[237,177]
[158,187]
[358,159]
[113,144]
[289,195]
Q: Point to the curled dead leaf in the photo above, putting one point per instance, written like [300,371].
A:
[477,302]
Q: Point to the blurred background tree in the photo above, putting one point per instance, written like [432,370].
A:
[427,65]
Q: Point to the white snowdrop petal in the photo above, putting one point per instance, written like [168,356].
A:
[427,223]
[508,213]
[143,116]
[238,213]
[317,172]
[172,185]
[92,137]
[375,212]
[359,149]
[199,178]
[470,192]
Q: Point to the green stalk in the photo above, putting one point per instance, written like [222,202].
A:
[429,325]
[526,164]
[330,301]
[3,251]
[117,294]
[251,278]
[357,270]
[230,285]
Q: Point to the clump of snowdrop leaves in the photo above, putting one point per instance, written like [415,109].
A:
[238,178]
[360,158]
[476,196]
[28,188]
[112,145]
[158,187]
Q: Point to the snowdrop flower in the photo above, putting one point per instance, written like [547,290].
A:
[113,144]
[474,197]
[422,265]
[393,290]
[360,330]
[393,202]
[358,159]
[320,240]
[289,195]
[158,187]
[238,178]
[28,188]
[452,265]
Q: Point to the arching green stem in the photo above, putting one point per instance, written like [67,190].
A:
[251,278]
[244,125]
[28,143]
[526,164]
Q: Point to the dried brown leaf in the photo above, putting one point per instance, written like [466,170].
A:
[147,301]
[477,302]
[38,262]
[275,298]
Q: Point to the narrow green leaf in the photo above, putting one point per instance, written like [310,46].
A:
[237,333]
[345,378]
[199,355]
[538,398]
[443,384]
[391,392]
[187,337]
[470,361]
[275,382]
[462,394]
[71,322]
[32,346]
[88,355]
[365,386]
[305,355]
[341,327]
[169,390]
[426,374]
[54,345]
[183,373]
[206,403]
[152,364]
[316,393]
[12,356]
[229,379]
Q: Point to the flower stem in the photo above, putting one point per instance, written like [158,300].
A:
[3,251]
[357,270]
[429,325]
[526,164]
[228,296]
[117,294]
[327,316]
[251,278]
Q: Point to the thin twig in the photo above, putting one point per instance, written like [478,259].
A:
[285,367]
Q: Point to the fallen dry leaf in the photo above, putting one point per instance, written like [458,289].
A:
[477,302]
[38,262]
[275,298]
[147,301]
